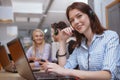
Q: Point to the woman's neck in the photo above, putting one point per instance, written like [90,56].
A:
[38,45]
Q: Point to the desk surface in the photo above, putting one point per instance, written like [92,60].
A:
[10,76]
[15,76]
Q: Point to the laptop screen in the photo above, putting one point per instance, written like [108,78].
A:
[20,59]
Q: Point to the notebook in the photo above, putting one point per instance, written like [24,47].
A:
[22,64]
[5,61]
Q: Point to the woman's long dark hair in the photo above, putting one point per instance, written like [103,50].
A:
[94,21]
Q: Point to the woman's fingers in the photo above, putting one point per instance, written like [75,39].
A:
[43,65]
[54,68]
[42,61]
[68,31]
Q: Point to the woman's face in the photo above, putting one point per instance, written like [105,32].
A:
[38,37]
[79,21]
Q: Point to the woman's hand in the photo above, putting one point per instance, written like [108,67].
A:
[43,64]
[13,64]
[66,33]
[53,68]
[31,58]
[36,59]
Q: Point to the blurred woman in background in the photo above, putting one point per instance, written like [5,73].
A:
[39,50]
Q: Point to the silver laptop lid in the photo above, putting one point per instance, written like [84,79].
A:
[20,59]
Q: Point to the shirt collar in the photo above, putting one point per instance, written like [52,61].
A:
[97,36]
[83,44]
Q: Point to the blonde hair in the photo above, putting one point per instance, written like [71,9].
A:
[34,44]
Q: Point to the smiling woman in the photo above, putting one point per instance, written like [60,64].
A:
[39,50]
[96,48]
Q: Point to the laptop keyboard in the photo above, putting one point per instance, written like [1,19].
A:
[43,75]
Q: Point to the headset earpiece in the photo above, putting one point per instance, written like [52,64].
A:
[91,14]
[55,31]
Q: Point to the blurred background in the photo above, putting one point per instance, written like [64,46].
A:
[19,17]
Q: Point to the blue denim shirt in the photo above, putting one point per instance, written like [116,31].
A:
[100,55]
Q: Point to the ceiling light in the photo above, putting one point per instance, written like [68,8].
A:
[29,7]
[6,14]
[45,31]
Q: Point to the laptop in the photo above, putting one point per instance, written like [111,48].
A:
[22,64]
[5,60]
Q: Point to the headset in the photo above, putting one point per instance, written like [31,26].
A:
[59,26]
[55,29]
[92,14]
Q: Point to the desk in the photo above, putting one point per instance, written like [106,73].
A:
[15,76]
[10,76]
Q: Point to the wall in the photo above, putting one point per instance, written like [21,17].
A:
[99,7]
[104,4]
[4,37]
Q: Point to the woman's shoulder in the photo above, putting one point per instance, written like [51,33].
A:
[47,44]
[110,33]
[30,48]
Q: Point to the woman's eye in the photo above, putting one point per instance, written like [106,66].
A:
[71,20]
[79,16]
[36,36]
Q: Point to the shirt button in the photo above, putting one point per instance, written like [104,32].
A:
[89,59]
